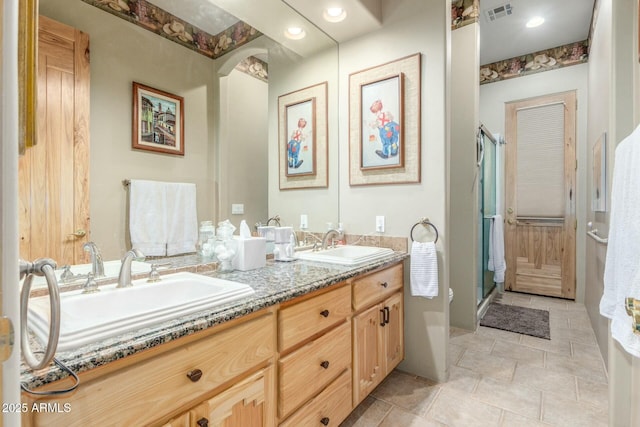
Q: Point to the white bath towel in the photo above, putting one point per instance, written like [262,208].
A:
[496,263]
[182,218]
[147,219]
[424,270]
[622,265]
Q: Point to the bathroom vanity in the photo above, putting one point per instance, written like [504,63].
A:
[305,349]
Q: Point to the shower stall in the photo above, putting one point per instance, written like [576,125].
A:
[488,206]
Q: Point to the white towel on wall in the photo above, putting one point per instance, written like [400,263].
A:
[424,270]
[622,265]
[147,219]
[182,218]
[496,263]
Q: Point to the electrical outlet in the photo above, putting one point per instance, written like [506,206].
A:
[380,224]
[237,209]
[304,222]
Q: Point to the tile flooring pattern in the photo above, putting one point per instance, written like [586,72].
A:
[500,378]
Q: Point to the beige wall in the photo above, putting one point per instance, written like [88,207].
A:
[409,27]
[289,73]
[120,54]
[243,147]
[463,176]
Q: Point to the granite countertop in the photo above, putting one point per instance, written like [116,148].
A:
[275,283]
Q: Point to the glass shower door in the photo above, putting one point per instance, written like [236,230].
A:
[487,203]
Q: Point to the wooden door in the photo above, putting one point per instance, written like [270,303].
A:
[368,359]
[54,174]
[540,191]
[394,332]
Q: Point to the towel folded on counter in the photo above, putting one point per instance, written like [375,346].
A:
[147,219]
[424,269]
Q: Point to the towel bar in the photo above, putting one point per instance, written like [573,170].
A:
[425,222]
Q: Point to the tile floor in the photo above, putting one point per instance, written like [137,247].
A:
[500,378]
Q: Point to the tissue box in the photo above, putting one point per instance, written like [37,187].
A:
[252,253]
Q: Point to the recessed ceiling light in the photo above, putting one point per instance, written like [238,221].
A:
[536,21]
[334,14]
[295,33]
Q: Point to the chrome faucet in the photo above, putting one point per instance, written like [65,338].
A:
[124,278]
[331,232]
[97,266]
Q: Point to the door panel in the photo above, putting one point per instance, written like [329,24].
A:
[53,175]
[540,249]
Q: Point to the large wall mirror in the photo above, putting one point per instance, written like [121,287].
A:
[231,138]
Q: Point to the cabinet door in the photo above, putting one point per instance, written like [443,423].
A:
[368,369]
[393,331]
[181,421]
[250,403]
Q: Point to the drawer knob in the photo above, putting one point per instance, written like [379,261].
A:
[194,375]
[324,313]
[325,364]
[384,284]
[325,421]
[203,422]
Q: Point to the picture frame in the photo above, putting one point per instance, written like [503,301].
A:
[397,85]
[301,141]
[302,138]
[158,120]
[382,130]
[599,172]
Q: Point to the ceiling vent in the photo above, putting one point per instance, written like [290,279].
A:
[499,12]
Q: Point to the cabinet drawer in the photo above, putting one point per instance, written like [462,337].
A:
[329,408]
[300,321]
[374,287]
[147,391]
[309,369]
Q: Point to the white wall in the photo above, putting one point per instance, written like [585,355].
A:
[492,113]
[409,27]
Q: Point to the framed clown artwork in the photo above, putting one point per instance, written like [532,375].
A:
[381,144]
[384,123]
[302,138]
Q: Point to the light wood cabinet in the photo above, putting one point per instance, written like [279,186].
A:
[308,361]
[246,404]
[378,331]
[315,343]
[150,391]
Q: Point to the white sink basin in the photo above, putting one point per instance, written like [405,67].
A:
[346,255]
[86,318]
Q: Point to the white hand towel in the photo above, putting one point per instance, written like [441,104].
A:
[424,270]
[622,265]
[147,220]
[182,218]
[496,263]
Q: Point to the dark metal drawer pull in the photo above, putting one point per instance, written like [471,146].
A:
[325,364]
[325,421]
[194,375]
[324,313]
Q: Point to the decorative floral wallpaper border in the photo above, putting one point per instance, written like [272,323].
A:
[254,67]
[161,22]
[464,12]
[545,60]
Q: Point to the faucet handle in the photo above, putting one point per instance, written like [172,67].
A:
[67,274]
[90,285]
[154,276]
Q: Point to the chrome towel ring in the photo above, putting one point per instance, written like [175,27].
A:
[426,223]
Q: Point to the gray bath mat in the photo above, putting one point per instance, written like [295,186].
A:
[521,320]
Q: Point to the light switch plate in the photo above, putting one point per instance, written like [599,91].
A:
[380,223]
[237,209]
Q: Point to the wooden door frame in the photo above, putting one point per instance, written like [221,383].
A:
[569,99]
